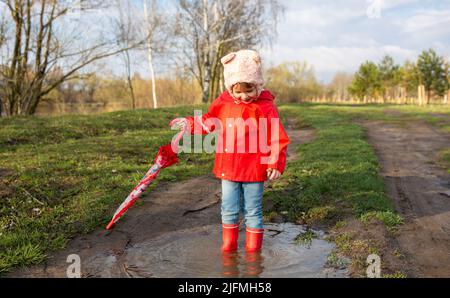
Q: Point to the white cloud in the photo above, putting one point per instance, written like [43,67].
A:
[433,20]
[321,16]
[329,60]
[396,3]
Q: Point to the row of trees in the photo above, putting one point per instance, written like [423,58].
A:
[110,93]
[42,44]
[424,81]
[389,82]
[293,81]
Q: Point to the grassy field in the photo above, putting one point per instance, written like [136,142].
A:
[61,176]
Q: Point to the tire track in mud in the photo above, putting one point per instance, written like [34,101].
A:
[170,207]
[418,186]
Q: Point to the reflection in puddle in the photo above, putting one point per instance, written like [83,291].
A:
[196,253]
[252,263]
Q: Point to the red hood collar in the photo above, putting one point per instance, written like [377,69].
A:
[265,94]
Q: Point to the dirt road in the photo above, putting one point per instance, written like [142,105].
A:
[420,190]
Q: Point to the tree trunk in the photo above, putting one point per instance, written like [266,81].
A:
[150,58]
[152,75]
[129,79]
[206,80]
[217,73]
[206,51]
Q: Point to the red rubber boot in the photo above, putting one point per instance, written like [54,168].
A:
[230,233]
[253,239]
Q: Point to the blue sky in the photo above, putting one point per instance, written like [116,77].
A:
[340,35]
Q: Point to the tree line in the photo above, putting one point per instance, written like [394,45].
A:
[291,82]
[422,81]
[106,93]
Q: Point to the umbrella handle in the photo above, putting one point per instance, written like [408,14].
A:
[176,140]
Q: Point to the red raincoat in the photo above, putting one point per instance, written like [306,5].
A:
[241,127]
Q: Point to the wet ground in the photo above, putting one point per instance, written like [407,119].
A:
[176,232]
[196,253]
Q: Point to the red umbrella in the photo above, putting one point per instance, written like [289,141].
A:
[167,156]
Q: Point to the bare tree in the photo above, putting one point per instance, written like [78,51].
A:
[125,31]
[153,21]
[208,29]
[130,26]
[43,42]
[3,42]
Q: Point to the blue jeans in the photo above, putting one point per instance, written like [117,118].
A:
[245,197]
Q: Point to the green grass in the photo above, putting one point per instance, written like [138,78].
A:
[445,158]
[436,115]
[60,176]
[305,238]
[395,275]
[389,218]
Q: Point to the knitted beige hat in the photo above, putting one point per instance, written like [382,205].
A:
[243,67]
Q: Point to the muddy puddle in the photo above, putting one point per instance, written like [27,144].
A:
[196,253]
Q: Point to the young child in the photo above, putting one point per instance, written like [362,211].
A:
[243,111]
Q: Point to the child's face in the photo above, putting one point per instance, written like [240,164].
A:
[245,92]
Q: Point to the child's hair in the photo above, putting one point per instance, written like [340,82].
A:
[245,85]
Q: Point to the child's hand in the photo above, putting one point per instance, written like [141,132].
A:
[273,174]
[179,123]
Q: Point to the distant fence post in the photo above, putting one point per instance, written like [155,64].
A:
[421,94]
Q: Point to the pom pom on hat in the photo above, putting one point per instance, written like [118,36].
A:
[243,67]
